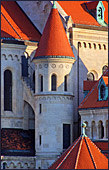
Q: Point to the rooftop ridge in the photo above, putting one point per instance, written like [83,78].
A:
[78,154]
[68,153]
[91,155]
[11,25]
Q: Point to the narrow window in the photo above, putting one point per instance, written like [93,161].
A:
[8,90]
[24,66]
[104,69]
[40,108]
[4,165]
[40,140]
[106,128]
[90,76]
[66,136]
[40,83]
[100,13]
[53,82]
[102,91]
[101,129]
[34,81]
[66,83]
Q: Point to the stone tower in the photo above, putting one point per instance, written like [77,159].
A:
[54,61]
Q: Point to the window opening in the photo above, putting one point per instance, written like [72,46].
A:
[40,108]
[53,82]
[104,69]
[102,91]
[40,140]
[90,76]
[66,136]
[8,90]
[65,83]
[41,83]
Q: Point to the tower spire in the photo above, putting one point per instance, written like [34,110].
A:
[54,5]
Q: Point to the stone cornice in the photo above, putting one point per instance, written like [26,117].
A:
[62,59]
[93,27]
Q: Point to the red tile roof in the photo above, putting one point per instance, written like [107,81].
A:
[87,85]
[77,11]
[54,41]
[91,100]
[82,154]
[14,139]
[92,5]
[103,145]
[15,24]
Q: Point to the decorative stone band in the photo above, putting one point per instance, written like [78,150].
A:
[53,56]
[54,98]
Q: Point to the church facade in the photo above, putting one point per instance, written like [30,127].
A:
[45,58]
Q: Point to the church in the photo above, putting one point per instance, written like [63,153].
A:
[54,61]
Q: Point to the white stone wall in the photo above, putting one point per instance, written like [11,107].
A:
[11,59]
[90,60]
[95,115]
[57,108]
[18,162]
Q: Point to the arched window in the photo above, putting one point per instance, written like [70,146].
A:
[66,83]
[34,81]
[90,76]
[41,83]
[8,90]
[4,165]
[93,128]
[53,82]
[106,128]
[102,91]
[104,69]
[101,129]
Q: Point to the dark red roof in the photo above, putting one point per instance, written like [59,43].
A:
[92,5]
[15,24]
[91,100]
[82,154]
[103,145]
[87,85]
[17,139]
[54,41]
[77,10]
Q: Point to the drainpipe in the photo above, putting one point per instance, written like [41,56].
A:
[78,45]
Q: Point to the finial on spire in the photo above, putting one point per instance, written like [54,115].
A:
[54,5]
[83,129]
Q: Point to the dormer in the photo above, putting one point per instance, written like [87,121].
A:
[103,88]
[100,13]
[96,9]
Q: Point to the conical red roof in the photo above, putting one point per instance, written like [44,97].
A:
[82,154]
[54,41]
